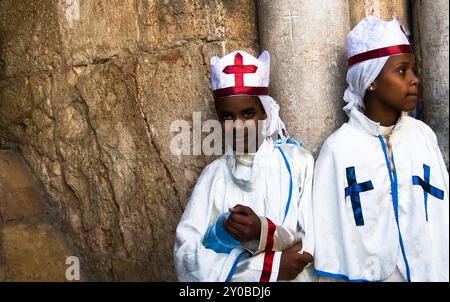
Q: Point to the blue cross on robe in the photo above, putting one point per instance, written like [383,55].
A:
[427,188]
[353,191]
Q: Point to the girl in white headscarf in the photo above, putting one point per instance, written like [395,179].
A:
[380,190]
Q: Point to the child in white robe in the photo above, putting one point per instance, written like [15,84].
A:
[267,193]
[380,190]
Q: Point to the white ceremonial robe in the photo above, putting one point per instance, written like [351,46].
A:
[267,192]
[374,223]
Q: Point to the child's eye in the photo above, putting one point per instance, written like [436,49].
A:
[402,71]
[249,114]
[226,116]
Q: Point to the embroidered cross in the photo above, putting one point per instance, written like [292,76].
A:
[427,187]
[239,69]
[353,191]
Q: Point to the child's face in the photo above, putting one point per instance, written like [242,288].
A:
[244,112]
[397,85]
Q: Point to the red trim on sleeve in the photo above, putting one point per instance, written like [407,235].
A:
[269,254]
[267,268]
[271,227]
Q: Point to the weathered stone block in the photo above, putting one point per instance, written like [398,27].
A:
[96,31]
[35,253]
[95,130]
[19,196]
[384,9]
[30,36]
[172,23]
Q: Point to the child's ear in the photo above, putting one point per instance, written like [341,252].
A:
[372,87]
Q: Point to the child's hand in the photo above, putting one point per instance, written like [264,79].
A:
[243,224]
[292,262]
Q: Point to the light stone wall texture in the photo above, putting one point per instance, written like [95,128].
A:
[89,89]
[33,244]
[383,9]
[308,66]
[431,39]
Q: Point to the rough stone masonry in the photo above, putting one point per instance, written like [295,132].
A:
[88,90]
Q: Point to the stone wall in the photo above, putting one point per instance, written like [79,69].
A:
[33,245]
[307,43]
[88,90]
[431,39]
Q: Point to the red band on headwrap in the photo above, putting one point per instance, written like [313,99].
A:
[240,90]
[380,52]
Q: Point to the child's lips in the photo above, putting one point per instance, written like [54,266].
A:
[412,96]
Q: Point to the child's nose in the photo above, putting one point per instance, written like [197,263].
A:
[238,123]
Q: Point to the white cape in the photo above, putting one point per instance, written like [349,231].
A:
[381,242]
[267,193]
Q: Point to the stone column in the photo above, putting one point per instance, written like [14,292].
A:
[383,9]
[306,41]
[431,41]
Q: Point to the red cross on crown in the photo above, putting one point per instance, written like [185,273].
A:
[239,73]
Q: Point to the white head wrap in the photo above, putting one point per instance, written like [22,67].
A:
[377,40]
[359,78]
[273,123]
[239,73]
